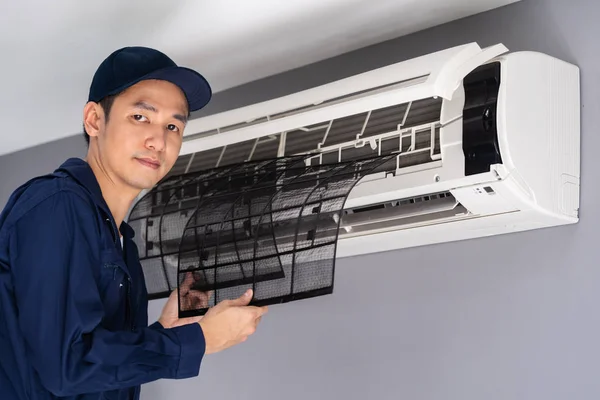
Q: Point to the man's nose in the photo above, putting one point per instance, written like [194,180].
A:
[156,138]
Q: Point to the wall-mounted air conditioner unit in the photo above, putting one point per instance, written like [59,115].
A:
[462,143]
[484,144]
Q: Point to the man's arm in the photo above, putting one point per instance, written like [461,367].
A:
[60,309]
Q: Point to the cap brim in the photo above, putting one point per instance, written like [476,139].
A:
[195,87]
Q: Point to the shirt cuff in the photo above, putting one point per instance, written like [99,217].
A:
[193,346]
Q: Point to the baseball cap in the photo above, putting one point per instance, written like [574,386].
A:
[130,65]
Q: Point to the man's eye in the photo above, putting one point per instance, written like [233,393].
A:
[173,128]
[139,117]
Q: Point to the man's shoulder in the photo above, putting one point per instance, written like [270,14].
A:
[39,191]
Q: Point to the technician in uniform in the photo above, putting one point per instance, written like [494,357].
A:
[73,304]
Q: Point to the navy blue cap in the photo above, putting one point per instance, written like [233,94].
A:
[130,65]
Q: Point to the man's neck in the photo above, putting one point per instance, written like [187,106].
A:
[118,197]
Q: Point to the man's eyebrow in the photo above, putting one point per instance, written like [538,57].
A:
[149,107]
[145,106]
[181,118]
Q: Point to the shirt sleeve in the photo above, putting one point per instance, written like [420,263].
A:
[54,255]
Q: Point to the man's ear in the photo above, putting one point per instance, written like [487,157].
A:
[93,118]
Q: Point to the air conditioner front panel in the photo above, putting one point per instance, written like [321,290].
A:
[434,75]
[371,81]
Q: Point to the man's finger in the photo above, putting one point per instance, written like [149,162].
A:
[262,311]
[199,298]
[187,283]
[258,312]
[243,300]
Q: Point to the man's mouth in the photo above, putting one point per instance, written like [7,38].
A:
[148,162]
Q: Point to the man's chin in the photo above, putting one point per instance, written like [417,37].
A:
[144,179]
[143,184]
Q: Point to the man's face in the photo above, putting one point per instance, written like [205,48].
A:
[142,138]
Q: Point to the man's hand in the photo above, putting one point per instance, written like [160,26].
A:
[230,322]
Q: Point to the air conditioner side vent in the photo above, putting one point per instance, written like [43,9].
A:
[480,131]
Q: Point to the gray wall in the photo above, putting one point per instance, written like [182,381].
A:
[508,317]
[17,167]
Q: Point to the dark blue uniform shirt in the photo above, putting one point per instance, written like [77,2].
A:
[73,303]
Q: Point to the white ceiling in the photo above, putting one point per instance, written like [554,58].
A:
[50,49]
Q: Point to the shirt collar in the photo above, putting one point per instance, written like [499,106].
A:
[81,171]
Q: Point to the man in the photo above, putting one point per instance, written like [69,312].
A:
[73,304]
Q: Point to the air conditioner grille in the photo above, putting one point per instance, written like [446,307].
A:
[391,122]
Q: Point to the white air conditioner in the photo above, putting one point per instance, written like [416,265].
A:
[483,142]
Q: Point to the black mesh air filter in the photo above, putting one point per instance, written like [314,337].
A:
[267,225]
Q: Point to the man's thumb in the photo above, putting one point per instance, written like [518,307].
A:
[244,299]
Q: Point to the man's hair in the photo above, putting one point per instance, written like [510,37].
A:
[106,104]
